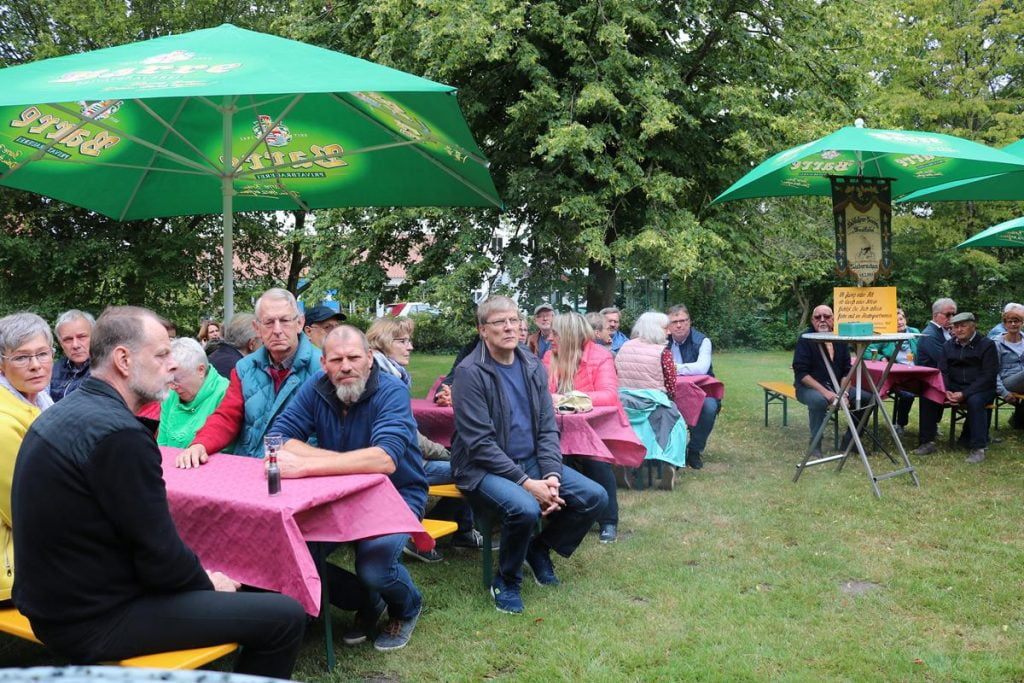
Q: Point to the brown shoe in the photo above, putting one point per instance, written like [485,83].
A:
[668,478]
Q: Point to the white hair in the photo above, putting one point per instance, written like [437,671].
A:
[71,316]
[1012,304]
[187,353]
[277,294]
[650,327]
[18,328]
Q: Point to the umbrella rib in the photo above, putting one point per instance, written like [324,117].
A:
[263,138]
[137,140]
[145,172]
[171,129]
[426,156]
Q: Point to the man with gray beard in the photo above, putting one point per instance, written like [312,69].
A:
[363,423]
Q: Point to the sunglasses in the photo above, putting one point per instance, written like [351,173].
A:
[821,317]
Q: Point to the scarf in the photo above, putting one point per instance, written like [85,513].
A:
[179,421]
[43,400]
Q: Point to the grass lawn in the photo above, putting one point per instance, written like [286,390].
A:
[739,574]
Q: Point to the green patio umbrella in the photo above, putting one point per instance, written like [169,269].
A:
[224,119]
[1006,234]
[912,159]
[999,187]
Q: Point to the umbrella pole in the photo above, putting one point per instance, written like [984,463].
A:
[227,190]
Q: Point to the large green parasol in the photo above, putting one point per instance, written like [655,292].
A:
[999,187]
[223,120]
[1006,234]
[913,160]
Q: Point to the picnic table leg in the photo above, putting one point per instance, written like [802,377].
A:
[325,604]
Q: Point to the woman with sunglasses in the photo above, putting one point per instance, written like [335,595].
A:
[26,363]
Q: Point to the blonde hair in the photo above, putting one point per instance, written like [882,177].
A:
[573,332]
[383,332]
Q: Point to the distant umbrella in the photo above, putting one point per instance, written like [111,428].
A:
[1006,234]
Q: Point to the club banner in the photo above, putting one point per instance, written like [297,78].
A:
[862,209]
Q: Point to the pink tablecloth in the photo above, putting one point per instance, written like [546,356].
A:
[917,379]
[691,390]
[222,511]
[600,434]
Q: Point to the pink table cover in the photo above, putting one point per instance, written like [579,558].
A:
[600,434]
[917,379]
[691,390]
[222,511]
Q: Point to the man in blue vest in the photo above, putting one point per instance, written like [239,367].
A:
[261,385]
[691,352]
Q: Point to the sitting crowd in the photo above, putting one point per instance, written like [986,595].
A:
[340,400]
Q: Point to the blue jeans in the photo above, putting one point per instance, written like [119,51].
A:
[603,474]
[379,574]
[705,423]
[817,406]
[454,509]
[520,511]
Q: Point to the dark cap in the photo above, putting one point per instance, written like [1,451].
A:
[320,313]
[544,307]
[963,318]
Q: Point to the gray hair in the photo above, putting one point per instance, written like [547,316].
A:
[18,328]
[942,303]
[118,326]
[1014,307]
[678,308]
[596,321]
[240,331]
[71,316]
[610,309]
[277,294]
[493,304]
[348,331]
[1012,304]
[650,327]
[187,353]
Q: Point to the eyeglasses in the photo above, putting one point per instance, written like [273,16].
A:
[24,360]
[511,322]
[822,316]
[403,341]
[949,314]
[1012,321]
[678,322]
[270,323]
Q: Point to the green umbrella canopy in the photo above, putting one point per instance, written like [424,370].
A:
[912,159]
[225,119]
[992,188]
[1006,234]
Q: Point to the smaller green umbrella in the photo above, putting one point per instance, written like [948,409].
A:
[1007,234]
[993,188]
[913,160]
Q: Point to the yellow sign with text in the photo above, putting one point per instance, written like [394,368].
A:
[875,305]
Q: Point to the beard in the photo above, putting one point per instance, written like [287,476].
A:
[144,388]
[350,393]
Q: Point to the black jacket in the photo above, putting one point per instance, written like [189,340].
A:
[971,369]
[92,529]
[482,417]
[807,360]
[930,345]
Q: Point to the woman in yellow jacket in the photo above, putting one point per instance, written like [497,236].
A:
[26,363]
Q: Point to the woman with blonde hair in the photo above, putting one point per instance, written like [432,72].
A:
[576,363]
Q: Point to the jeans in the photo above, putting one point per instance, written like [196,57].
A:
[454,509]
[705,423]
[268,626]
[519,511]
[379,574]
[817,406]
[603,474]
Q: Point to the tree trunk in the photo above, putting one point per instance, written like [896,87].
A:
[296,264]
[601,289]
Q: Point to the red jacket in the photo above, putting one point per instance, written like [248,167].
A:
[595,377]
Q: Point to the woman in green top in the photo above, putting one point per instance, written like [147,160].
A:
[197,391]
[903,400]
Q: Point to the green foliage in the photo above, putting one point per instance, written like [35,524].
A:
[441,333]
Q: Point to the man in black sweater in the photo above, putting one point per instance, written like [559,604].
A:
[102,572]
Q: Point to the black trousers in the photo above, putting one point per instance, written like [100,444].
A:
[929,416]
[268,626]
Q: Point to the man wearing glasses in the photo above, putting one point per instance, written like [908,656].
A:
[691,353]
[930,354]
[320,320]
[814,387]
[506,455]
[261,385]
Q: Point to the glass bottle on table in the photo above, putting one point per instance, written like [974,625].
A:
[271,445]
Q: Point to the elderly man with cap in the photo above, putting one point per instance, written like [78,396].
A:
[969,369]
[320,320]
[540,341]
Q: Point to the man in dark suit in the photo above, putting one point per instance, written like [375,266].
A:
[930,354]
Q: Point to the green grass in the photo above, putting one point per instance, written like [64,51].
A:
[739,573]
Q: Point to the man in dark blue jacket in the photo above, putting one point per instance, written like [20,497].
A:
[363,423]
[506,455]
[930,354]
[969,369]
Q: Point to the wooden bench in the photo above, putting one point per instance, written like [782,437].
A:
[1000,402]
[781,392]
[958,413]
[16,624]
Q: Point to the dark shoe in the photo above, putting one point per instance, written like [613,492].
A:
[364,624]
[397,633]
[428,556]
[926,448]
[608,533]
[668,478]
[900,430]
[622,477]
[539,561]
[693,460]
[815,454]
[506,598]
[472,539]
[976,456]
